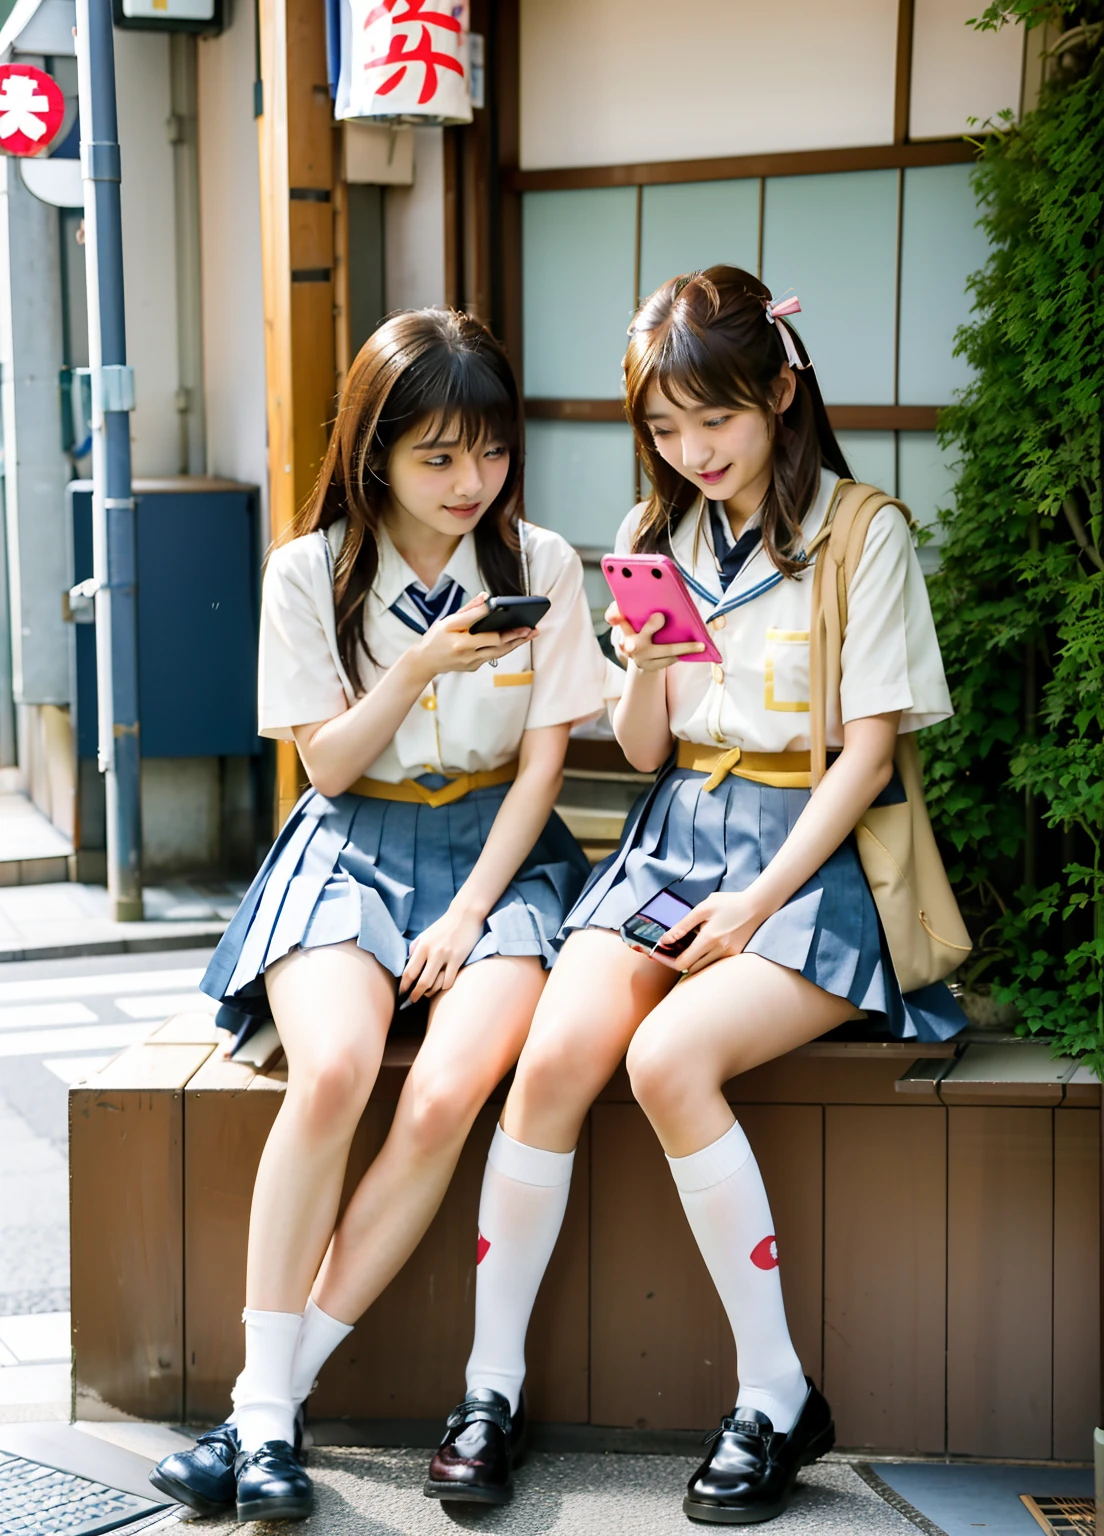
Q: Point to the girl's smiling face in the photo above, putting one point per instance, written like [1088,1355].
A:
[725,452]
[441,481]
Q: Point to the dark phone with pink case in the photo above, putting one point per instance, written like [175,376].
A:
[647,584]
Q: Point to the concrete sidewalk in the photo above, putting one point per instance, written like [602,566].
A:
[379,1493]
[52,922]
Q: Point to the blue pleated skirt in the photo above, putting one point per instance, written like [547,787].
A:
[380,872]
[681,838]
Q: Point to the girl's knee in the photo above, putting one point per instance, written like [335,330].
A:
[438,1110]
[329,1095]
[665,1079]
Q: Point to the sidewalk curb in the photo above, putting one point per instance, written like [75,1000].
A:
[178,936]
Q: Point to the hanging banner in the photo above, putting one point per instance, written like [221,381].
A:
[404,61]
[32,108]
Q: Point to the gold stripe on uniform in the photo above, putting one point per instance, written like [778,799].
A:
[512,679]
[412,793]
[782,770]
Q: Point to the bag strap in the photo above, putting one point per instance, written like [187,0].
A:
[838,545]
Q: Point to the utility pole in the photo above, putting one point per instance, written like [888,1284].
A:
[113,513]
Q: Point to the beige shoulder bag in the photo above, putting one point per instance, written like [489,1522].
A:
[924,929]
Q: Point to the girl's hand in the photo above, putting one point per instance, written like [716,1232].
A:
[439,952]
[447,646]
[636,645]
[725,922]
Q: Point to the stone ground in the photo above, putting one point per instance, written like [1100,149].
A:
[378,1493]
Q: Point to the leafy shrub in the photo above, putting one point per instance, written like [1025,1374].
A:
[1016,779]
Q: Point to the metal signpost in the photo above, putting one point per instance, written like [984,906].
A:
[113,511]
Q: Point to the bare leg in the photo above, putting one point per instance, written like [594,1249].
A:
[734,1015]
[476,1031]
[728,1018]
[596,996]
[332,1006]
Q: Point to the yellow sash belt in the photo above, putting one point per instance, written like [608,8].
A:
[413,793]
[783,770]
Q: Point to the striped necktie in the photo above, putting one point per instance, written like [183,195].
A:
[424,608]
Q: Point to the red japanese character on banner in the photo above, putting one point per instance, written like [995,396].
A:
[409,61]
[422,52]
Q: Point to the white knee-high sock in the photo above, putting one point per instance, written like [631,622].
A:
[726,1205]
[319,1336]
[521,1210]
[263,1409]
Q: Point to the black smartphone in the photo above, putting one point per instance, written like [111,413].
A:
[511,613]
[644,930]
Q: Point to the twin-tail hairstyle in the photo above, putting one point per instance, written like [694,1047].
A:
[704,339]
[423,367]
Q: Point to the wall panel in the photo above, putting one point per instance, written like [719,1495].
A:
[957,73]
[1076,1282]
[833,240]
[578,263]
[689,225]
[999,1282]
[940,247]
[579,478]
[638,80]
[661,1353]
[885,1278]
[872,457]
[925,483]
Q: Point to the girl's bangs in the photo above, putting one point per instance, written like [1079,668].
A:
[692,368]
[458,398]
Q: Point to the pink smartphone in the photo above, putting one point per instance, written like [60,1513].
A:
[647,584]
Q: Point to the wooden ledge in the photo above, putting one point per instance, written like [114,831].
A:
[1011,1072]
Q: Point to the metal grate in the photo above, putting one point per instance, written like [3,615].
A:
[1062,1514]
[35,1499]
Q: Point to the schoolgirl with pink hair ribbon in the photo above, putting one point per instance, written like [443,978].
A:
[781,940]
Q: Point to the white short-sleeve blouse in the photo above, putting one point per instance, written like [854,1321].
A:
[757,697]
[464,722]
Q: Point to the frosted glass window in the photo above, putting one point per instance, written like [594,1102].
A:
[833,239]
[872,457]
[697,224]
[959,73]
[579,479]
[940,247]
[578,263]
[926,479]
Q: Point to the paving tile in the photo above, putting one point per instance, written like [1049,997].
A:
[37,1339]
[28,1385]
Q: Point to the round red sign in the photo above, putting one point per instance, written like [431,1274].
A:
[31,109]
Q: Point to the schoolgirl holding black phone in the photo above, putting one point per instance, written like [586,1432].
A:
[424,862]
[785,942]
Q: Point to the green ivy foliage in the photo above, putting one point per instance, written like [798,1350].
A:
[1016,778]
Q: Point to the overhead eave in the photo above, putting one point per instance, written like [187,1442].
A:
[39,27]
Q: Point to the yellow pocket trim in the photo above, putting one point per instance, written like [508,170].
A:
[518,680]
[784,706]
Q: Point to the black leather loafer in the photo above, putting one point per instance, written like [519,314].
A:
[272,1484]
[750,1472]
[483,1444]
[202,1478]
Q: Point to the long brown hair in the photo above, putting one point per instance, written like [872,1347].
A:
[421,365]
[704,338]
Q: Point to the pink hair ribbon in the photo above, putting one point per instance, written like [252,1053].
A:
[775,312]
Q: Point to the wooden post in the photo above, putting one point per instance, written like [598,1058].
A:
[297,250]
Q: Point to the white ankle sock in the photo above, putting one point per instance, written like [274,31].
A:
[318,1338]
[263,1409]
[726,1205]
[521,1210]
